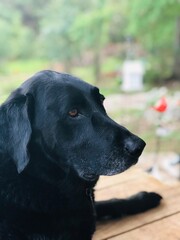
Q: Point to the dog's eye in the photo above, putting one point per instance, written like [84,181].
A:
[73,113]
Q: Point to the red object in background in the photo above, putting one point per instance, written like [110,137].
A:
[161,105]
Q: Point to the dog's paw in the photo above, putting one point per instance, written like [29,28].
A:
[151,199]
[144,201]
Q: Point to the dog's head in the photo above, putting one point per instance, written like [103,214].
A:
[66,118]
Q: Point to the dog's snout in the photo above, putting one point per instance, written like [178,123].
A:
[134,146]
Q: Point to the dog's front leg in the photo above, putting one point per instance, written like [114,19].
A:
[137,203]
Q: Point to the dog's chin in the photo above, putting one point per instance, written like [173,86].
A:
[116,168]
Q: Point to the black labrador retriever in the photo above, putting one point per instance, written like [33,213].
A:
[55,141]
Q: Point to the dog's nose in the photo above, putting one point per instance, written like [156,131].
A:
[134,146]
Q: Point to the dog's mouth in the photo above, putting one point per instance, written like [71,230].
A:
[111,168]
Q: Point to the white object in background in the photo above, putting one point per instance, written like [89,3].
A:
[132,75]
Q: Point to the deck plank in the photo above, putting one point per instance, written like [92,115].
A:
[168,228]
[128,186]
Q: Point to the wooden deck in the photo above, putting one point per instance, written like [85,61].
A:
[161,223]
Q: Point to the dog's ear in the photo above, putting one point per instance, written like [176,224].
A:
[15,129]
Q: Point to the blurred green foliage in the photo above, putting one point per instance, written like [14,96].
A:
[67,31]
[156,25]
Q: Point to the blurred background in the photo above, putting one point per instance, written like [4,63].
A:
[128,48]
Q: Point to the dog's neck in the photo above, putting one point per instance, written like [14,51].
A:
[41,178]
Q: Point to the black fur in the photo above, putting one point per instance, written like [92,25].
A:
[55,141]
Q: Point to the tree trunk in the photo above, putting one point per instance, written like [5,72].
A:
[67,66]
[176,67]
[97,66]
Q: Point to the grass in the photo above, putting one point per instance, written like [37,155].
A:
[13,73]
[110,64]
[85,73]
[23,66]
